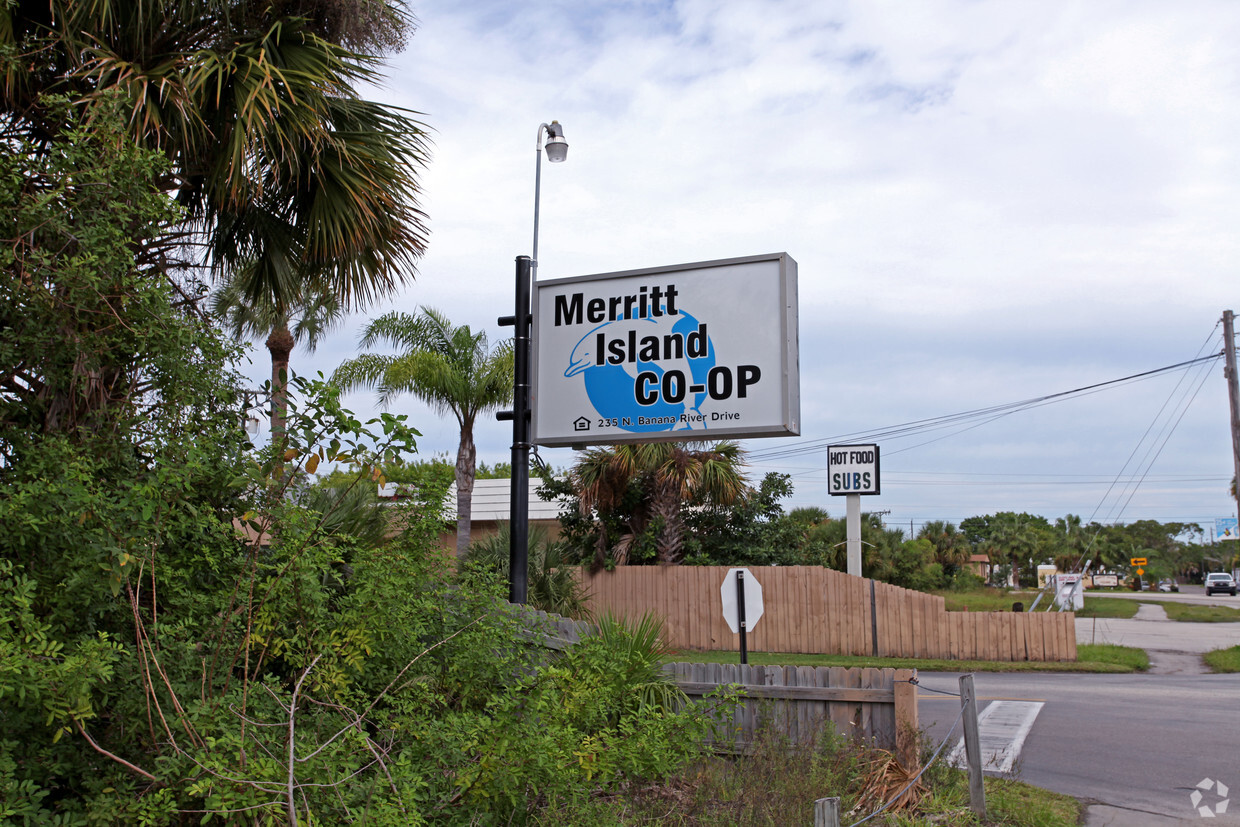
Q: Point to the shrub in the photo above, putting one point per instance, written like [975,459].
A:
[552,584]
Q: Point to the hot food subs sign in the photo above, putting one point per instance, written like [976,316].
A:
[692,351]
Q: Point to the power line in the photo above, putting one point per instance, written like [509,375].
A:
[949,420]
[1168,428]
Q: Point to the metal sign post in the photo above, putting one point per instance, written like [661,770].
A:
[740,611]
[741,597]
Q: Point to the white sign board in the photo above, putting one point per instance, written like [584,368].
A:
[753,601]
[692,351]
[852,469]
[1069,592]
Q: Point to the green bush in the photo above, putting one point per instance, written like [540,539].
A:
[158,664]
[552,584]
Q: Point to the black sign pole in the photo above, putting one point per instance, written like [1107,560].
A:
[740,613]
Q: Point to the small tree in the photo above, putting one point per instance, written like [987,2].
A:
[249,313]
[453,369]
[654,482]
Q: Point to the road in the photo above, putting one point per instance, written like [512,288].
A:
[1137,742]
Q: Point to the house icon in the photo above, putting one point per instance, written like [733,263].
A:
[581,423]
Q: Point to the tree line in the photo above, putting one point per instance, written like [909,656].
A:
[676,503]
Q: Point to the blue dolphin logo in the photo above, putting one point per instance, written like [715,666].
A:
[610,387]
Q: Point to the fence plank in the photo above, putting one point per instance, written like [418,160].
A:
[816,627]
[861,611]
[777,610]
[852,679]
[995,620]
[906,628]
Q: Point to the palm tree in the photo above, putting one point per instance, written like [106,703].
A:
[284,324]
[671,475]
[951,547]
[281,166]
[453,369]
[1072,543]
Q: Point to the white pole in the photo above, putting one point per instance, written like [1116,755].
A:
[853,520]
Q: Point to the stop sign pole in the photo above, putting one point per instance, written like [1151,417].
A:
[741,594]
[740,614]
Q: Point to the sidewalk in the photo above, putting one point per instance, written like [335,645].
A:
[1104,815]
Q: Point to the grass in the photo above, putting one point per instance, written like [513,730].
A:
[1119,607]
[1194,613]
[1090,658]
[776,783]
[1000,600]
[1223,660]
[1125,657]
[986,599]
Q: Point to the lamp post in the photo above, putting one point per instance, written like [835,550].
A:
[527,270]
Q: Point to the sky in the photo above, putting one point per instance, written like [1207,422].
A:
[987,202]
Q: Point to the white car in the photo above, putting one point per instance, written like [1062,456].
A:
[1220,582]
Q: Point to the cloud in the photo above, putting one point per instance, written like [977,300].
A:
[987,202]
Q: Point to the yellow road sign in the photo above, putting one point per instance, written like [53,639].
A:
[1138,561]
[1140,571]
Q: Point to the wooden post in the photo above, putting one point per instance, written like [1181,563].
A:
[827,812]
[906,720]
[1233,398]
[972,747]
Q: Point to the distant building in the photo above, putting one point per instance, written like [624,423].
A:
[980,565]
[489,508]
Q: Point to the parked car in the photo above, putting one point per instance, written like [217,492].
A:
[1168,586]
[1220,582]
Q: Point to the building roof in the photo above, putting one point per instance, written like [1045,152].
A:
[490,501]
[491,498]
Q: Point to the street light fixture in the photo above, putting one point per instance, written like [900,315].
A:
[557,151]
[519,489]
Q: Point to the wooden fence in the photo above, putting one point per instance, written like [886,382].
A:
[875,705]
[816,610]
[550,630]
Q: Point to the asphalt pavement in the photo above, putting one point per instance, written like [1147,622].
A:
[1137,749]
[1174,649]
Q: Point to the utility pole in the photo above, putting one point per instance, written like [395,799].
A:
[1233,396]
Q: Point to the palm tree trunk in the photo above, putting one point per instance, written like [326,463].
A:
[465,457]
[280,345]
[669,545]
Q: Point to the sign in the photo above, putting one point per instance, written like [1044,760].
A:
[1068,592]
[701,351]
[1138,561]
[1225,528]
[753,600]
[1106,581]
[852,469]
